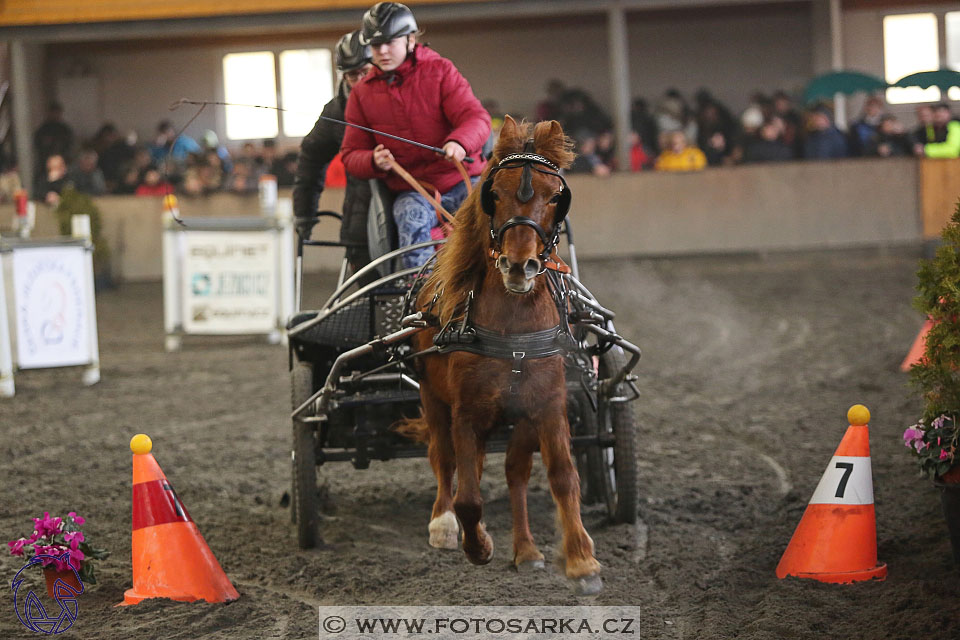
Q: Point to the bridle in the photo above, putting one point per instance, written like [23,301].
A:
[529,161]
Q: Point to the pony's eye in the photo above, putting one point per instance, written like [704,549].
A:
[555,199]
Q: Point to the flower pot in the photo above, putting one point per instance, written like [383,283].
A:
[69,578]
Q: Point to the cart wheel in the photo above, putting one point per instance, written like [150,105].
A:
[619,462]
[304,505]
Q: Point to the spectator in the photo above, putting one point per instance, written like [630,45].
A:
[245,177]
[9,180]
[792,122]
[587,160]
[890,140]
[863,130]
[212,143]
[53,136]
[715,130]
[152,183]
[924,131]
[606,149]
[286,170]
[644,124]
[641,158]
[133,171]
[53,180]
[824,141]
[269,159]
[673,114]
[114,155]
[768,145]
[552,107]
[948,128]
[679,155]
[580,112]
[212,171]
[86,176]
[168,144]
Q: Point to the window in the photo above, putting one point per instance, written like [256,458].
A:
[910,44]
[952,29]
[306,84]
[250,79]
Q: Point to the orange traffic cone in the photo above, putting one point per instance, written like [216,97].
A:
[836,540]
[915,355]
[170,557]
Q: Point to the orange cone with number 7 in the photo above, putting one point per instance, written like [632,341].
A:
[836,540]
[170,557]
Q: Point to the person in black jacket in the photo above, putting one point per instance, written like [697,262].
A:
[320,146]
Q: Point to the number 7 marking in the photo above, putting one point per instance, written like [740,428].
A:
[847,470]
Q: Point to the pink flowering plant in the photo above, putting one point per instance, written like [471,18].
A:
[935,443]
[56,537]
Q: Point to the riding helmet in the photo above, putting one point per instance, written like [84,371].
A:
[351,54]
[385,21]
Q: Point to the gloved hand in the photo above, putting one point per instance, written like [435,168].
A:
[304,226]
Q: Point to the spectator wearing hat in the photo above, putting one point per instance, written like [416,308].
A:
[321,146]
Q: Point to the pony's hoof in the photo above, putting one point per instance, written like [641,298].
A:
[587,585]
[443,531]
[483,555]
[529,566]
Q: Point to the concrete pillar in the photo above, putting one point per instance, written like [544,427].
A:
[22,124]
[836,59]
[619,81]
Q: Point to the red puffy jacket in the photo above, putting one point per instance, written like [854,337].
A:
[425,99]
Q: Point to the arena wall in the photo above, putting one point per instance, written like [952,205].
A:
[846,203]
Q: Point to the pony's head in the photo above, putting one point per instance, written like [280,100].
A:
[526,199]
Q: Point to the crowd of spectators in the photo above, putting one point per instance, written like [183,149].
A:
[682,135]
[676,135]
[111,163]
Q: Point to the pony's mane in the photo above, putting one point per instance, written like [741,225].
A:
[460,264]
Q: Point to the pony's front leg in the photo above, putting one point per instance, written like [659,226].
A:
[581,566]
[519,462]
[468,503]
[443,524]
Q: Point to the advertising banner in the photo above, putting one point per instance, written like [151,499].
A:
[229,282]
[51,313]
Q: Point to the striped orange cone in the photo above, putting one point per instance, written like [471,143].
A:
[915,355]
[836,540]
[170,557]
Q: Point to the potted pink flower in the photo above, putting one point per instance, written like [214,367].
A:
[66,545]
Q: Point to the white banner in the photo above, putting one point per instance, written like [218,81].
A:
[229,281]
[847,480]
[50,298]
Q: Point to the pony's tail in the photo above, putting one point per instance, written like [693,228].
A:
[416,429]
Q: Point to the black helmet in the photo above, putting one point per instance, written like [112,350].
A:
[350,53]
[385,21]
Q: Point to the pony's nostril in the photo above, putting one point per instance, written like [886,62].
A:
[503,264]
[532,267]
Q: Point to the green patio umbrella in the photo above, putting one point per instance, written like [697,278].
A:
[943,78]
[845,82]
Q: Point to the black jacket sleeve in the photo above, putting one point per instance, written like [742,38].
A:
[317,149]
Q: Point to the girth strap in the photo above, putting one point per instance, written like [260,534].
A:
[512,346]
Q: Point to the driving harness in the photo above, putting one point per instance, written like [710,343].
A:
[463,335]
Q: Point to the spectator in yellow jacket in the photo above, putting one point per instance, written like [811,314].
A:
[678,155]
[943,121]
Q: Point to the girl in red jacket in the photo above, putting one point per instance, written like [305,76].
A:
[415,93]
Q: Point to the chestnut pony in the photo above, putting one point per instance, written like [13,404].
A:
[466,396]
